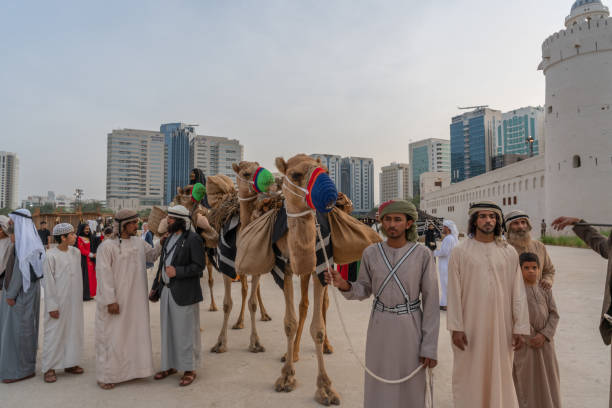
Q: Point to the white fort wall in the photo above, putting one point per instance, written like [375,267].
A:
[521,184]
[577,63]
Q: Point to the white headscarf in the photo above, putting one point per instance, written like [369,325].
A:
[5,243]
[28,246]
[452,227]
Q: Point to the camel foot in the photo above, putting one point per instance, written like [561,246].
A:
[265,318]
[327,396]
[285,383]
[296,357]
[219,348]
[213,308]
[238,326]
[327,348]
[255,347]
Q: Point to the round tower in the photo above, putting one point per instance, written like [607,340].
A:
[577,64]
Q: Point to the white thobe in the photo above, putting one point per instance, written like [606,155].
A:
[443,254]
[486,301]
[123,341]
[63,289]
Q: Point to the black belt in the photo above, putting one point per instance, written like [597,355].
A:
[402,308]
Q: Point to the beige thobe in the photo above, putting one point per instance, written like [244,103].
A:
[395,342]
[486,300]
[536,372]
[63,285]
[123,341]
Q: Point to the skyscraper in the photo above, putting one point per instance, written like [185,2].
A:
[9,177]
[394,182]
[332,162]
[471,142]
[176,136]
[426,156]
[517,128]
[357,182]
[134,169]
[215,155]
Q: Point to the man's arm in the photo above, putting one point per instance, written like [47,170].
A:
[430,326]
[593,239]
[553,317]
[454,315]
[152,252]
[15,284]
[196,255]
[362,288]
[49,284]
[107,294]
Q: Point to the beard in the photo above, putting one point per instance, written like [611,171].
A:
[176,226]
[519,238]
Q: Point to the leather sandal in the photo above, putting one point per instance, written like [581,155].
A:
[187,378]
[74,370]
[50,376]
[163,374]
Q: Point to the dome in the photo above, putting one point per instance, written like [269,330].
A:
[579,3]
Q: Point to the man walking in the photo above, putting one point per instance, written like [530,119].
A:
[451,239]
[487,312]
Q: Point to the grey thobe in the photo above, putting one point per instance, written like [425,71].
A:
[19,327]
[180,325]
[395,342]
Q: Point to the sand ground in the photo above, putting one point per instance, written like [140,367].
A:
[239,378]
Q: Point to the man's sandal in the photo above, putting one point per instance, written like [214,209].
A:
[187,378]
[74,370]
[105,386]
[163,374]
[50,376]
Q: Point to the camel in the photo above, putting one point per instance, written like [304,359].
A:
[299,246]
[246,197]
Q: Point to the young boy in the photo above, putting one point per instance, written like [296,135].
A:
[536,372]
[63,284]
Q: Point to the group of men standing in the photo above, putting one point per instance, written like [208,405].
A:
[122,330]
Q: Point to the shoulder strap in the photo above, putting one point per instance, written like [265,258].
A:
[393,270]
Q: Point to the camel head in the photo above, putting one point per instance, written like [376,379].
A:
[301,173]
[183,197]
[245,171]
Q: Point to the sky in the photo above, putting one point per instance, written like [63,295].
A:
[346,77]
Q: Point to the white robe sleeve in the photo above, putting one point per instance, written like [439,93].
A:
[49,284]
[152,252]
[107,294]
[454,316]
[445,248]
[520,307]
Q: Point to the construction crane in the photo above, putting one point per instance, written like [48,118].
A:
[472,107]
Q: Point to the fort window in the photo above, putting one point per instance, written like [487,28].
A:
[576,161]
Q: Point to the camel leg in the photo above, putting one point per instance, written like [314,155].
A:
[211,282]
[304,284]
[286,382]
[264,314]
[325,394]
[221,346]
[254,346]
[244,285]
[327,347]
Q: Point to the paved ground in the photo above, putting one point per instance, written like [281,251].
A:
[239,378]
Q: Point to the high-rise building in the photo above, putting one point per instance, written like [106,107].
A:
[135,165]
[520,131]
[426,156]
[332,162]
[176,136]
[472,141]
[9,176]
[215,155]
[357,182]
[394,182]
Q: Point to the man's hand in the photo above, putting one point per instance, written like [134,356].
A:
[113,308]
[517,342]
[537,341]
[333,276]
[545,284]
[54,314]
[11,302]
[428,362]
[460,340]
[170,271]
[563,222]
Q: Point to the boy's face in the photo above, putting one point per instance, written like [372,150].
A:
[530,271]
[71,238]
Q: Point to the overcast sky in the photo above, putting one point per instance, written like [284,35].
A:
[354,78]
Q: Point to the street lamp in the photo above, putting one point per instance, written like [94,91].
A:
[530,140]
